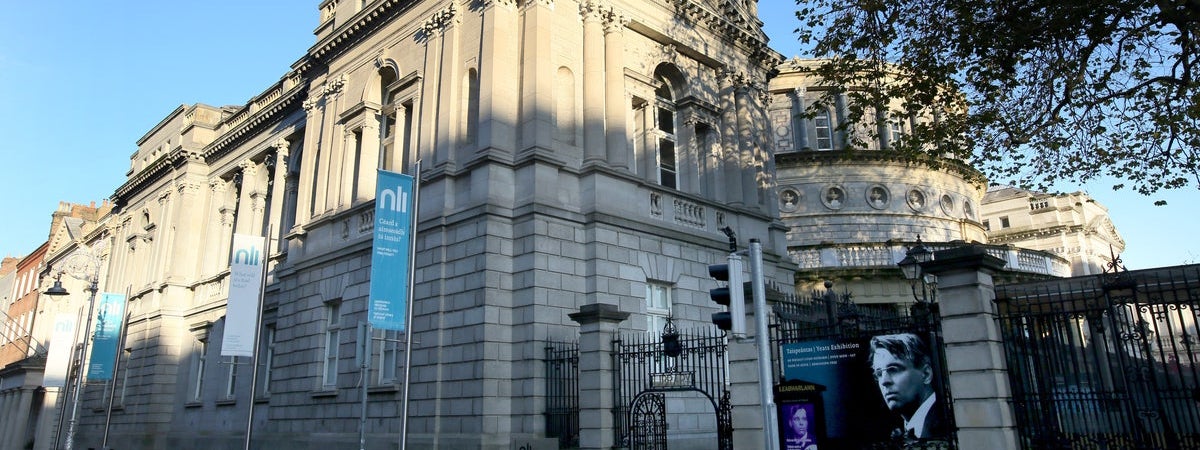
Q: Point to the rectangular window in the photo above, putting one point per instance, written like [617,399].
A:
[666,163]
[986,225]
[199,360]
[658,305]
[266,361]
[896,129]
[333,338]
[385,352]
[1004,222]
[125,376]
[824,130]
[231,378]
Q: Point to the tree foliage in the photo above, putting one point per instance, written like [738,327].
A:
[1031,91]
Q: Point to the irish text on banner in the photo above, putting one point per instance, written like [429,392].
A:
[110,314]
[390,263]
[245,286]
[59,357]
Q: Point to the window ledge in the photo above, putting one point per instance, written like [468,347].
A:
[193,404]
[324,393]
[384,389]
[226,402]
[265,398]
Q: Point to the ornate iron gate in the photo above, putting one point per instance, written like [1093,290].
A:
[649,365]
[1106,361]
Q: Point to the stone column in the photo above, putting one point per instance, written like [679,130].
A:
[537,79]
[277,191]
[47,420]
[746,147]
[615,106]
[597,329]
[841,136]
[20,423]
[499,78]
[796,119]
[732,193]
[245,198]
[308,160]
[351,149]
[686,163]
[974,349]
[594,145]
[368,158]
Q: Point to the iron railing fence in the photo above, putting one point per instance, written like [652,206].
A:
[1105,361]
[562,393]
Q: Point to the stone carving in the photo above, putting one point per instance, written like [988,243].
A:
[834,198]
[916,200]
[947,204]
[789,200]
[878,196]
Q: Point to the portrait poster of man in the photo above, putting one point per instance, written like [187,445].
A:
[799,432]
[905,374]
[877,389]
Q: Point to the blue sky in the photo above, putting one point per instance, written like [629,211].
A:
[82,81]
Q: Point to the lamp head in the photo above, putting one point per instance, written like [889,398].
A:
[57,290]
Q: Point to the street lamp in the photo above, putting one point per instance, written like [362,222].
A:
[910,266]
[85,267]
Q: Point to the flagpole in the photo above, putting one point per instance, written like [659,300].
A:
[262,297]
[408,325]
[112,391]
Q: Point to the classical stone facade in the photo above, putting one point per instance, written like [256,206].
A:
[1072,226]
[571,153]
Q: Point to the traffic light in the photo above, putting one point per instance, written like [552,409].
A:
[731,295]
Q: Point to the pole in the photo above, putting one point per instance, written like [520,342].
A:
[765,380]
[364,365]
[62,412]
[262,296]
[408,326]
[112,391]
[79,371]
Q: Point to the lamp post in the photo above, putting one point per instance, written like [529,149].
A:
[81,266]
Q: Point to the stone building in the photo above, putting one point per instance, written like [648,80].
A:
[1072,226]
[572,153]
[853,207]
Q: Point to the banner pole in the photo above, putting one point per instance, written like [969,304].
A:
[112,391]
[408,325]
[262,296]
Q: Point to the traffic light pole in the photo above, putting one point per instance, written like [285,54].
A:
[763,342]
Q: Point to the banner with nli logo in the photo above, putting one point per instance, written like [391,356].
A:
[110,315]
[390,253]
[245,286]
[59,356]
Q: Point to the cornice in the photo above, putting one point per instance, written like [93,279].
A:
[271,113]
[365,22]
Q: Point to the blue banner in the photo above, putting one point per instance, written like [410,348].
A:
[391,250]
[110,315]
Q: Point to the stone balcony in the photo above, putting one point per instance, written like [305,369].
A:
[886,255]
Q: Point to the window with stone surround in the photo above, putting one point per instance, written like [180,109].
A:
[230,379]
[385,350]
[199,363]
[266,361]
[664,118]
[824,131]
[658,305]
[333,338]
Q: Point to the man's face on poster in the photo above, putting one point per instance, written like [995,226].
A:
[903,386]
[799,421]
